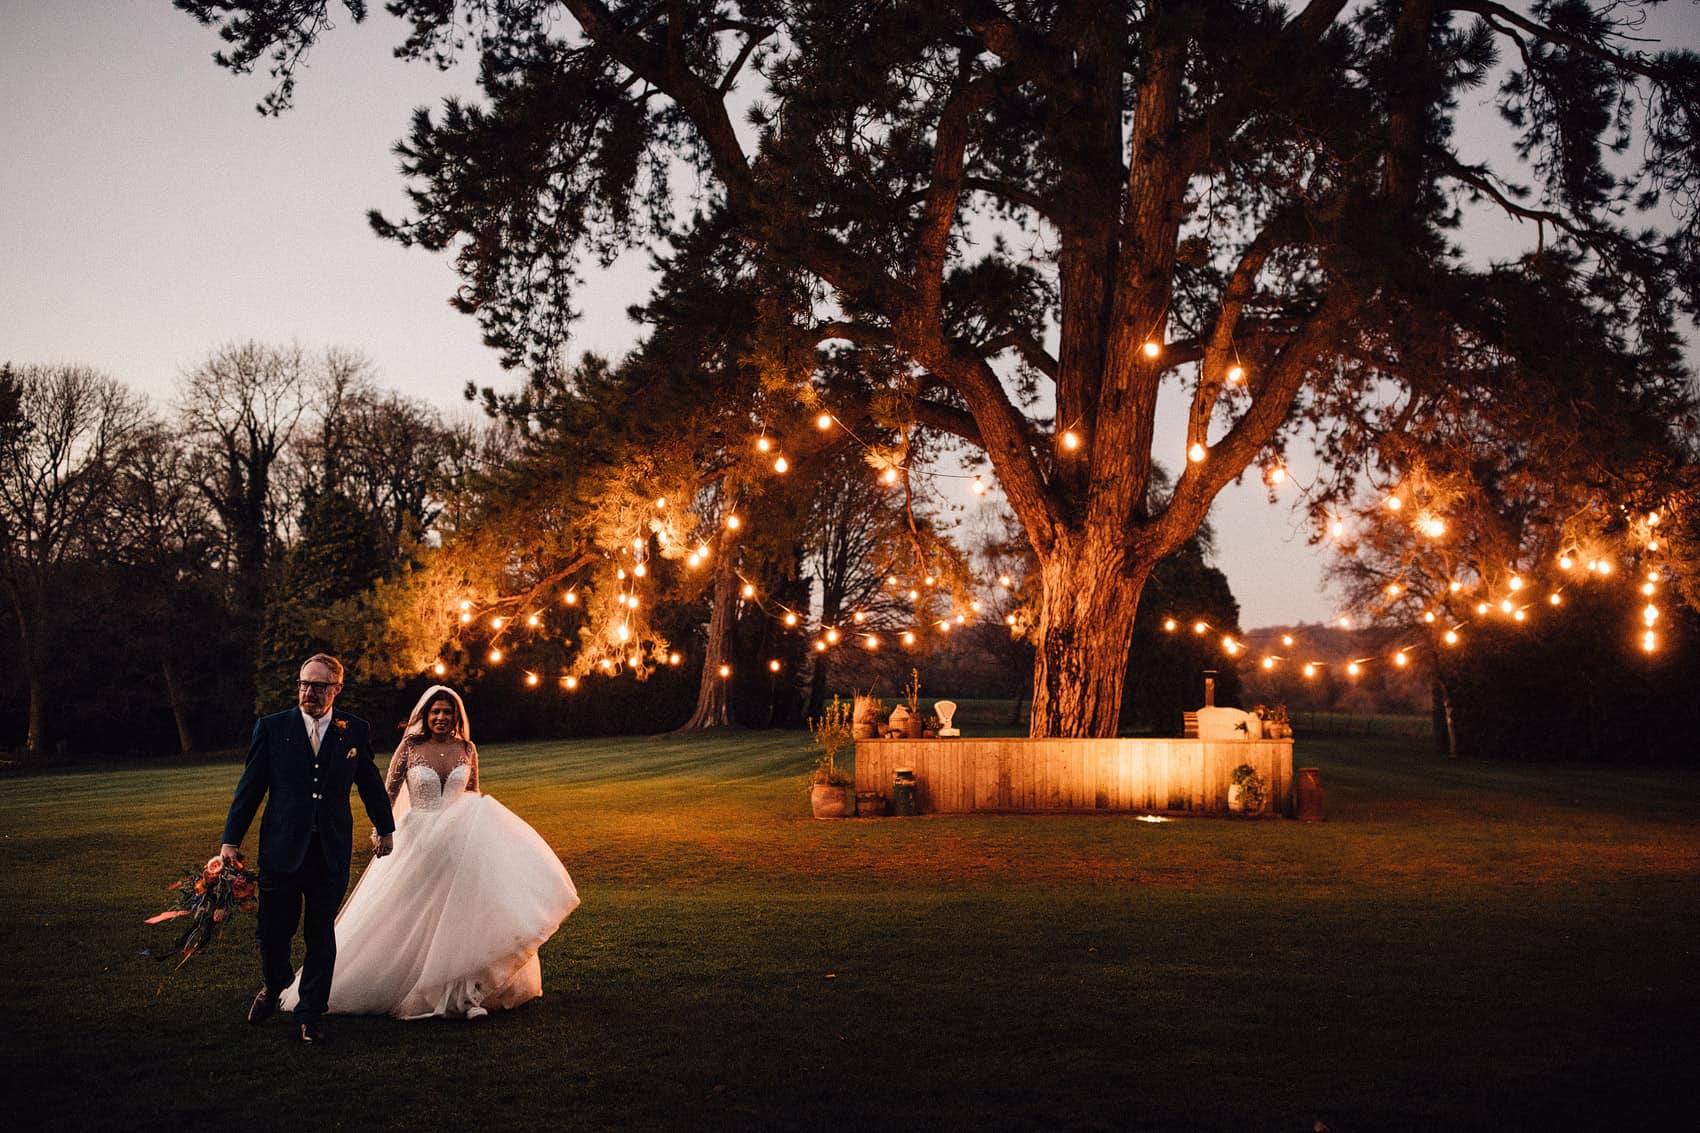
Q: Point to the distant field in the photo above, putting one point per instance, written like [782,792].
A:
[1459,946]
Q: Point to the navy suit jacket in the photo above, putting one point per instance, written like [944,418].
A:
[307,795]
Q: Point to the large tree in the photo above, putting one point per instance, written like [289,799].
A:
[1049,209]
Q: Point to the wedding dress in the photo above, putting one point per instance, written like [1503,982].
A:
[449,923]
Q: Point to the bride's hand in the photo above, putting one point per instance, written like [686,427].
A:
[382,844]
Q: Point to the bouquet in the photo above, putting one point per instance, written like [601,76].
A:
[207,895]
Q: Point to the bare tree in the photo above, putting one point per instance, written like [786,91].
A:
[57,468]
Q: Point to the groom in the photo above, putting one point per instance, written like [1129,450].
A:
[305,758]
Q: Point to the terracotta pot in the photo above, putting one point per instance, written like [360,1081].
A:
[828,801]
[913,725]
[870,804]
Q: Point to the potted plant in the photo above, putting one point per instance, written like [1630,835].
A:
[832,794]
[1282,728]
[914,724]
[1246,791]
[869,711]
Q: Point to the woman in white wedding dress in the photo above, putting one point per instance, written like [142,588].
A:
[450,922]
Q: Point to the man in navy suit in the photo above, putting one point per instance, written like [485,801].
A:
[305,759]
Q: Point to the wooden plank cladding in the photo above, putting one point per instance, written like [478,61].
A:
[1176,775]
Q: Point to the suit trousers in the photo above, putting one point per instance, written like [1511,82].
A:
[316,889]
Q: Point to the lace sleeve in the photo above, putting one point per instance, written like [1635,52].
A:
[398,771]
[471,767]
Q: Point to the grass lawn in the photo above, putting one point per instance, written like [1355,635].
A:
[1459,946]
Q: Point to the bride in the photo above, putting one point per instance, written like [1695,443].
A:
[450,922]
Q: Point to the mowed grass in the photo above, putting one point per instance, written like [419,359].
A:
[1459,946]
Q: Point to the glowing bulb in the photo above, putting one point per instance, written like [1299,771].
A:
[929,580]
[1337,528]
[1652,519]
[873,642]
[1269,662]
[496,623]
[781,465]
[531,680]
[1236,374]
[1653,576]
[571,598]
[1565,562]
[570,682]
[1648,589]
[914,595]
[832,637]
[790,618]
[660,502]
[944,627]
[702,551]
[1199,627]
[532,621]
[674,658]
[1345,622]
[979,486]
[1650,614]
[635,660]
[773,665]
[620,574]
[1516,583]
[1287,640]
[439,668]
[1394,503]
[640,570]
[1168,623]
[763,444]
[1400,659]
[632,601]
[889,476]
[1196,453]
[1649,641]
[495,656]
[962,619]
[1277,474]
[725,670]
[1481,607]
[1230,646]
[1454,586]
[1005,581]
[1428,616]
[824,421]
[1434,528]
[749,590]
[465,619]
[908,638]
[1152,349]
[1393,590]
[858,617]
[606,665]
[466,605]
[1519,615]
[1505,606]
[1353,669]
[694,560]
[1071,440]
[1554,599]
[624,633]
[1605,567]
[1652,544]
[974,605]
[733,523]
[1009,620]
[820,647]
[891,580]
[1310,669]
[1452,637]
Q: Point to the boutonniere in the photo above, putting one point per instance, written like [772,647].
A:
[341,724]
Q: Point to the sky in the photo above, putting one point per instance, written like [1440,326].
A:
[148,215]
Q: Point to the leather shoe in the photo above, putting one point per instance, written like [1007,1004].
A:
[310,1033]
[265,1003]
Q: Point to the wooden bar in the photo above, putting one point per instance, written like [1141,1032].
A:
[1016,774]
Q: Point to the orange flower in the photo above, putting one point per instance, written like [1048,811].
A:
[220,914]
[201,885]
[214,867]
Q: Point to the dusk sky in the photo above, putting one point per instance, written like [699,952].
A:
[151,215]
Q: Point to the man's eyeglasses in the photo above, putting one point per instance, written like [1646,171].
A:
[317,686]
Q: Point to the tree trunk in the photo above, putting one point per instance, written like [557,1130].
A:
[1444,695]
[1086,616]
[714,700]
[179,707]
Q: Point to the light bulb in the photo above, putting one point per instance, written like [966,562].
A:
[1505,606]
[858,617]
[640,570]
[763,444]
[1071,440]
[782,465]
[1236,374]
[773,665]
[466,605]
[660,502]
[1649,641]
[1152,349]
[1400,659]
[1196,453]
[790,618]
[872,642]
[495,656]
[531,679]
[1309,669]
[674,658]
[908,638]
[1005,581]
[1519,615]
[693,560]
[532,621]
[832,637]
[1353,669]
[889,476]
[571,598]
[1277,474]
[1394,503]
[1199,627]
[1565,562]
[1393,590]
[1452,637]
[570,682]
[749,590]
[1454,586]
[1516,583]
[1269,662]
[1337,528]
[733,522]
[725,670]
[820,647]
[1287,640]
[1168,624]
[824,421]
[622,632]
[979,486]
[1009,619]
[1554,599]
[620,574]
[465,619]
[439,668]
[496,623]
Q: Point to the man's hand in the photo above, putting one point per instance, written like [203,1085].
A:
[382,844]
[230,853]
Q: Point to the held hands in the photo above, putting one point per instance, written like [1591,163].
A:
[382,844]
